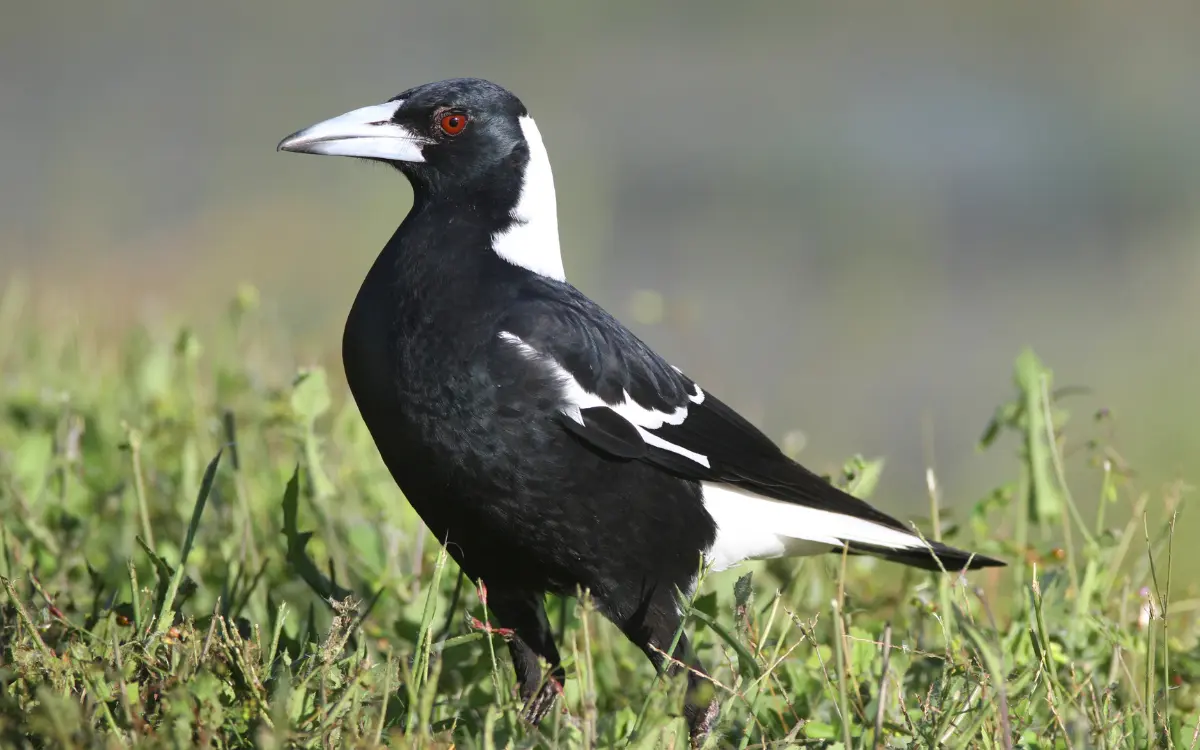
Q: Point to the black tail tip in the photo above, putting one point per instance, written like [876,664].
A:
[937,557]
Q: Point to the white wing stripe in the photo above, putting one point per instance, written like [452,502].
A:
[639,416]
[656,441]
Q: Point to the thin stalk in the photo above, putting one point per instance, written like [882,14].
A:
[387,691]
[943,581]
[589,680]
[240,490]
[1108,493]
[880,710]
[135,598]
[102,705]
[139,484]
[1022,506]
[1060,475]
[840,643]
[1163,600]
[23,616]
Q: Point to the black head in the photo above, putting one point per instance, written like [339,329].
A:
[461,141]
[440,135]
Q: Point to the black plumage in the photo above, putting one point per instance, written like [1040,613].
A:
[541,440]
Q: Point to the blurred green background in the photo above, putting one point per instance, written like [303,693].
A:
[845,218]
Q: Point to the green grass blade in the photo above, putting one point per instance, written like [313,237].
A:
[166,615]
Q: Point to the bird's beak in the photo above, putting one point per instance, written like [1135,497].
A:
[368,133]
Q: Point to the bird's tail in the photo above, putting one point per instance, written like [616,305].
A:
[935,557]
[753,526]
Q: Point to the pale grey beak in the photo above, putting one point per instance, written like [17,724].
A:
[367,133]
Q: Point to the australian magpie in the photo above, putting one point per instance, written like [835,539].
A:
[545,444]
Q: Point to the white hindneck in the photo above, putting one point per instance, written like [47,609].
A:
[531,241]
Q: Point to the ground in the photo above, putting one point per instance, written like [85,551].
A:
[201,547]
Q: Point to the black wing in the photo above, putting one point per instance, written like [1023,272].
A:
[626,402]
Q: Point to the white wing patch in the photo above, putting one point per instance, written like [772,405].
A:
[753,527]
[643,419]
[531,241]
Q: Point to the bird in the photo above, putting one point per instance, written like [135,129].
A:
[546,446]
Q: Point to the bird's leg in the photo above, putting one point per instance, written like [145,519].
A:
[700,707]
[525,614]
[653,629]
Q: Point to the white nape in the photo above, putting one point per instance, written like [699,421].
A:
[753,527]
[531,241]
[578,398]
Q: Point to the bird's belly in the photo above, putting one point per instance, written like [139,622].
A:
[551,516]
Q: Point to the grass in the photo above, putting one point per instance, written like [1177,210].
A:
[200,547]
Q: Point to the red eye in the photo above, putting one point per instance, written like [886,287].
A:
[453,123]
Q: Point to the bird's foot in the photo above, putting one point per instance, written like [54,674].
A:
[488,629]
[700,721]
[537,706]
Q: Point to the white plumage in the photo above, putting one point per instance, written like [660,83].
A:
[531,241]
[753,527]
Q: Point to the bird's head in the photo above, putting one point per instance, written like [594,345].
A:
[440,135]
[465,140]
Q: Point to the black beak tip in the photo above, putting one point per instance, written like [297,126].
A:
[285,144]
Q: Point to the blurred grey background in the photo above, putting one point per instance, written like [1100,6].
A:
[846,218]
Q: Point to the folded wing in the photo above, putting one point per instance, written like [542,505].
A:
[626,402]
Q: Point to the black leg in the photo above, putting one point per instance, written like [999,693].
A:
[525,614]
[652,628]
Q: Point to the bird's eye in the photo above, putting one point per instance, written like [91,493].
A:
[453,123]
